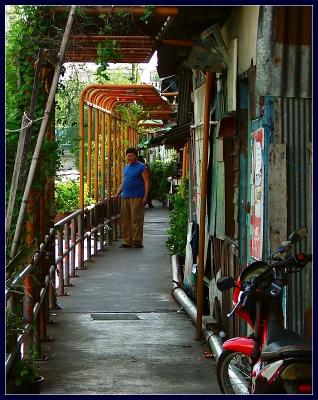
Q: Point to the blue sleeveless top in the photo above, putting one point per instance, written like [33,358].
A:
[133,183]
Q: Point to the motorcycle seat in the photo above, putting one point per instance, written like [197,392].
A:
[286,344]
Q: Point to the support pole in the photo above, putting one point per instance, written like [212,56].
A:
[204,169]
[89,150]
[44,123]
[109,155]
[96,158]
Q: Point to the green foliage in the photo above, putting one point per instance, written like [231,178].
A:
[31,28]
[67,111]
[132,113]
[67,196]
[147,14]
[177,232]
[120,75]
[159,174]
[20,260]
[14,322]
[108,50]
[24,370]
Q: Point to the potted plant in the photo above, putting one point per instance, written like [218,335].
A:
[23,377]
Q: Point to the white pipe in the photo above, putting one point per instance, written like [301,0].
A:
[214,340]
[202,123]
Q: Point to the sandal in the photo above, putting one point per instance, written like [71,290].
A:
[138,246]
[124,246]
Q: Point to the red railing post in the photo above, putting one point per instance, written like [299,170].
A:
[73,241]
[80,246]
[60,268]
[67,257]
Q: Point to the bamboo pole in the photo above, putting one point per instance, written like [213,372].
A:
[23,144]
[44,123]
[204,179]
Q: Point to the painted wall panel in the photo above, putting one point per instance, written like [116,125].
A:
[243,24]
[277,195]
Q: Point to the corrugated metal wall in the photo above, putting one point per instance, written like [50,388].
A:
[293,127]
[284,51]
[184,97]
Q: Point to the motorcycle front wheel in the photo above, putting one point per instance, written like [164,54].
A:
[234,372]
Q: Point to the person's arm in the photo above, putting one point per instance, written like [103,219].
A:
[120,189]
[145,176]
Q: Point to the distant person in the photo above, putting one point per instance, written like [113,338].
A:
[134,190]
[142,160]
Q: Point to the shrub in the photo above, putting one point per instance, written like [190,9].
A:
[177,232]
[159,173]
[67,196]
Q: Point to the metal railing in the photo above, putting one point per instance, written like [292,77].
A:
[91,229]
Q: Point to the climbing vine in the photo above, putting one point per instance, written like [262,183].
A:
[132,113]
[31,29]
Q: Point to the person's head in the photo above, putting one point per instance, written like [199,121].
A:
[131,155]
[141,159]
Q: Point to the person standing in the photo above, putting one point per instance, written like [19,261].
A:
[142,160]
[134,190]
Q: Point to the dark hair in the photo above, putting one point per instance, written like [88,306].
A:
[132,150]
[141,159]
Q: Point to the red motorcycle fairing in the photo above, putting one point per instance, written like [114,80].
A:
[242,314]
[241,344]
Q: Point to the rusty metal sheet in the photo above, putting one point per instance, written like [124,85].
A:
[277,176]
[293,127]
[284,51]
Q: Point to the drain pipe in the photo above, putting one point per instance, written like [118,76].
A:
[213,339]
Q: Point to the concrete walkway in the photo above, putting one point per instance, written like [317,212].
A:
[121,332]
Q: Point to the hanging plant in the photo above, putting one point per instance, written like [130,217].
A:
[107,51]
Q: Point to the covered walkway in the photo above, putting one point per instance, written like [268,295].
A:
[120,331]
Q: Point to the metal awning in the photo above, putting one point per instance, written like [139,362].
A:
[176,137]
[126,34]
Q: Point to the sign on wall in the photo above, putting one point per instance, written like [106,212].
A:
[257,194]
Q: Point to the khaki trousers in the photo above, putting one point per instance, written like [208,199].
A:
[132,220]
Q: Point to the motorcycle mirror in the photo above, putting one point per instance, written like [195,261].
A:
[225,283]
[298,235]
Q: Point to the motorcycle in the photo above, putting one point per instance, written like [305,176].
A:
[272,359]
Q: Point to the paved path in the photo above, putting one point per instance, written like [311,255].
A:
[121,332]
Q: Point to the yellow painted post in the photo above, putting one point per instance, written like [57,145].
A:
[89,150]
[109,155]
[81,149]
[96,197]
[103,157]
[114,134]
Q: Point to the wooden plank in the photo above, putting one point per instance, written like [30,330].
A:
[232,76]
[220,212]
[277,195]
[251,92]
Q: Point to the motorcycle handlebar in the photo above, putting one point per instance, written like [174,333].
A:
[297,260]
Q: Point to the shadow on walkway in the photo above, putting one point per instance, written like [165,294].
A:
[121,332]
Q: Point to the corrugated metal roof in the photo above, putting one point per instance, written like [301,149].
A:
[284,51]
[175,137]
